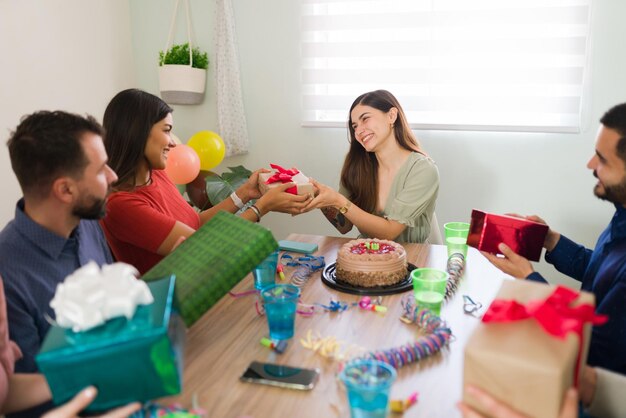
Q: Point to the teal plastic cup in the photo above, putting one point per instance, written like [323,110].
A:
[429,287]
[368,383]
[265,273]
[456,237]
[280,301]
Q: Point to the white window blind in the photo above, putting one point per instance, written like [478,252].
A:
[511,65]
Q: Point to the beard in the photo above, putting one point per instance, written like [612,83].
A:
[615,193]
[91,207]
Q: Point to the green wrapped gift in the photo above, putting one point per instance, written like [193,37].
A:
[211,261]
[127,360]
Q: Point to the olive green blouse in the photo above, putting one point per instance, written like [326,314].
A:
[412,198]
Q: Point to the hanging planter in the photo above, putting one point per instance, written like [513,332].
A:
[182,68]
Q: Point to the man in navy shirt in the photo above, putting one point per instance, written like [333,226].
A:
[60,162]
[603,270]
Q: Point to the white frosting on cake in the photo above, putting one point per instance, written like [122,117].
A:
[371,262]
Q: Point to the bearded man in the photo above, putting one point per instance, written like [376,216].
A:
[601,271]
[61,165]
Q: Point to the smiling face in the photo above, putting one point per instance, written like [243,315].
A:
[608,167]
[372,127]
[159,143]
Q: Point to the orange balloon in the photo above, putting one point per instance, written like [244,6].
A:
[183,164]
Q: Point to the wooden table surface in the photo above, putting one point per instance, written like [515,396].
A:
[226,339]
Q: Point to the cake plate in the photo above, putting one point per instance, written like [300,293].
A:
[329,278]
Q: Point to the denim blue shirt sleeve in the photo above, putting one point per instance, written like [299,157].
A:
[570,258]
[567,257]
[536,277]
[33,261]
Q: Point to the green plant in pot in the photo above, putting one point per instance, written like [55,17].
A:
[210,188]
[182,74]
[179,55]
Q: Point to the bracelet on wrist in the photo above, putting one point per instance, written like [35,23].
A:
[343,209]
[256,211]
[236,200]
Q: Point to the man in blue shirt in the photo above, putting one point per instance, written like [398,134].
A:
[60,162]
[603,270]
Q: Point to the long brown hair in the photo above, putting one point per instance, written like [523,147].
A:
[359,174]
[128,119]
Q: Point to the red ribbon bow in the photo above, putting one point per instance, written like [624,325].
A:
[554,314]
[283,175]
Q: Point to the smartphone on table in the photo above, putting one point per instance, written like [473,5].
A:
[281,376]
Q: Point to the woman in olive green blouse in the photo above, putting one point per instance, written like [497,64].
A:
[389,186]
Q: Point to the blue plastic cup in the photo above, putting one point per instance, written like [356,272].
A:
[368,383]
[280,301]
[265,273]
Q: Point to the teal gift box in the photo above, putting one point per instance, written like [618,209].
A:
[127,360]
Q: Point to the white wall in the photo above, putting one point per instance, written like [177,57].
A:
[75,55]
[58,54]
[543,174]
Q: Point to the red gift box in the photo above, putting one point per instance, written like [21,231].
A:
[282,175]
[524,237]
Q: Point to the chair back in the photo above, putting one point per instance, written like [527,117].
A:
[435,234]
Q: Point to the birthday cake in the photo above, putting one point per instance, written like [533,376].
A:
[371,262]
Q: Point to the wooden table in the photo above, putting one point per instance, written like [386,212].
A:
[226,339]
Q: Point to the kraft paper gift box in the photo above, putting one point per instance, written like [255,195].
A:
[127,360]
[282,175]
[517,360]
[211,261]
[524,237]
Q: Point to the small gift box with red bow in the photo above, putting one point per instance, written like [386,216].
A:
[530,346]
[524,237]
[281,176]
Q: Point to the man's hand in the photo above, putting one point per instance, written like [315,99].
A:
[498,409]
[552,237]
[84,398]
[512,264]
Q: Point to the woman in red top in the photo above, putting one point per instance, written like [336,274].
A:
[146,215]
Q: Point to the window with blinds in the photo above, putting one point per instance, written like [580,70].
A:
[509,65]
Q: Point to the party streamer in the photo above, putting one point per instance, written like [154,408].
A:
[436,336]
[305,267]
[455,267]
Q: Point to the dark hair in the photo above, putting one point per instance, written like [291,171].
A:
[128,119]
[47,145]
[615,118]
[359,174]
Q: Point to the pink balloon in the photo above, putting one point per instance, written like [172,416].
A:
[183,164]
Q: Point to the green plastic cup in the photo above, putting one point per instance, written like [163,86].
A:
[456,237]
[429,288]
